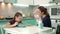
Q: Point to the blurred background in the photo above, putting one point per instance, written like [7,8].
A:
[9,7]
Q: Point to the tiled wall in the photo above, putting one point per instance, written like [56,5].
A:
[10,11]
[28,11]
[6,10]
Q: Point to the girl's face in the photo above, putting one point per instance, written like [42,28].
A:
[18,19]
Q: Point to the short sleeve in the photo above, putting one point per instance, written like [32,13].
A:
[11,22]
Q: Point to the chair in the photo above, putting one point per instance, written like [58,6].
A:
[2,30]
[58,29]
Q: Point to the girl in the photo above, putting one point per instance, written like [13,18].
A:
[15,21]
[42,11]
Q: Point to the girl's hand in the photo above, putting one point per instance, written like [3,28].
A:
[16,23]
[7,26]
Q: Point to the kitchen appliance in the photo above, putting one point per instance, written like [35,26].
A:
[54,10]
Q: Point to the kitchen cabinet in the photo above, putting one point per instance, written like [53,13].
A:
[33,2]
[15,1]
[39,2]
[7,1]
[53,23]
[58,22]
[29,2]
[1,0]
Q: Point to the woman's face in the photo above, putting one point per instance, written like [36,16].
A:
[18,19]
[38,12]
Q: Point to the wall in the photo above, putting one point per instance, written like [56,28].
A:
[6,10]
[29,2]
[39,2]
[28,11]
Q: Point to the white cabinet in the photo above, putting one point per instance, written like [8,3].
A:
[33,2]
[8,1]
[29,2]
[53,23]
[1,0]
[40,2]
[58,22]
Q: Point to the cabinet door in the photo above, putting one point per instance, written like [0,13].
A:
[8,1]
[53,23]
[39,2]
[29,2]
[1,0]
[58,22]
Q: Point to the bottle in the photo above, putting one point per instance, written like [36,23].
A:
[39,21]
[40,24]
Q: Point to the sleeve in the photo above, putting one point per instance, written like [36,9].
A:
[10,21]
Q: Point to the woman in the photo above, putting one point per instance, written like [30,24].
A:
[15,21]
[42,11]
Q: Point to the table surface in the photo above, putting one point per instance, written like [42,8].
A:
[27,30]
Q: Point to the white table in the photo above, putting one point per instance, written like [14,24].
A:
[27,30]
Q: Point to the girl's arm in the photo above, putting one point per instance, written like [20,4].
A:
[16,23]
[7,25]
[10,26]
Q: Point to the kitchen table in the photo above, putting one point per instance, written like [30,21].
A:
[28,30]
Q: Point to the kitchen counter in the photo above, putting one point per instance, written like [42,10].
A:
[55,18]
[8,19]
[4,20]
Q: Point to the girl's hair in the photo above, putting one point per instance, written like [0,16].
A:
[43,9]
[17,15]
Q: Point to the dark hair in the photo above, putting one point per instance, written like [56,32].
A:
[43,9]
[17,14]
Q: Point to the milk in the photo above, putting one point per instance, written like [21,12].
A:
[39,21]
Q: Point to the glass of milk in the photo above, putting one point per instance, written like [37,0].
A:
[39,21]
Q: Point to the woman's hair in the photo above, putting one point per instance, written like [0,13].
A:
[44,10]
[17,15]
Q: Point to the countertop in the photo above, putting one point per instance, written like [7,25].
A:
[22,19]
